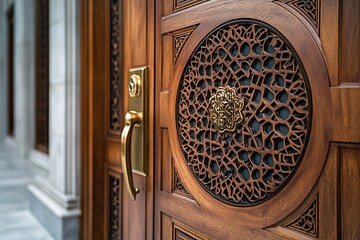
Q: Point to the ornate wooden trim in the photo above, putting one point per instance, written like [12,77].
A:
[307,222]
[179,39]
[114,201]
[309,9]
[42,76]
[115,68]
[179,187]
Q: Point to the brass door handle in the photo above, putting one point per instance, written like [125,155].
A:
[131,119]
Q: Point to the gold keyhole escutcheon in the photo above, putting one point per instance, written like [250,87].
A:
[134,85]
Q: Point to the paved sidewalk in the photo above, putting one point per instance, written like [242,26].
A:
[16,221]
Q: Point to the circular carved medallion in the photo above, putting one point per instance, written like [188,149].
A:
[225,109]
[243,113]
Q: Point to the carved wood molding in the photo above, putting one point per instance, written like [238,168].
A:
[179,187]
[309,9]
[303,224]
[179,38]
[307,222]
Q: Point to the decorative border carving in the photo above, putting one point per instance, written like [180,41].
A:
[115,68]
[179,39]
[307,222]
[179,187]
[309,9]
[114,208]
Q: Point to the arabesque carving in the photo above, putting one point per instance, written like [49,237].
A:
[251,163]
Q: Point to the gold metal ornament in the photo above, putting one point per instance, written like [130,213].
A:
[225,109]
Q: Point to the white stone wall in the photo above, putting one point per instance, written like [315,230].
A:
[23,72]
[64,111]
[4,7]
[56,192]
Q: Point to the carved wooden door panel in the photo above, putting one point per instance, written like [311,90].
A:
[256,122]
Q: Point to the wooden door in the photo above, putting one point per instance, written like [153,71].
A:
[255,111]
[115,36]
[257,119]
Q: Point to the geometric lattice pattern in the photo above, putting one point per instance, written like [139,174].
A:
[115,73]
[251,163]
[114,208]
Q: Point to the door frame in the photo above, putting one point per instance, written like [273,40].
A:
[91,148]
[86,44]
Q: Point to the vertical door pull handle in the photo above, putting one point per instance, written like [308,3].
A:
[131,119]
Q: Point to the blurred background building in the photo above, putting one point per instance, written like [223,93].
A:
[39,110]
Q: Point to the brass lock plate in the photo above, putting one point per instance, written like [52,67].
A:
[138,102]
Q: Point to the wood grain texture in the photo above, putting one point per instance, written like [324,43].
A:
[346,112]
[182,232]
[328,185]
[349,193]
[166,174]
[167,54]
[148,31]
[184,4]
[329,37]
[338,189]
[350,41]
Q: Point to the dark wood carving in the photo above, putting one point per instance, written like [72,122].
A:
[307,222]
[115,67]
[179,187]
[10,72]
[180,39]
[42,76]
[114,208]
[307,8]
[182,4]
[249,164]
